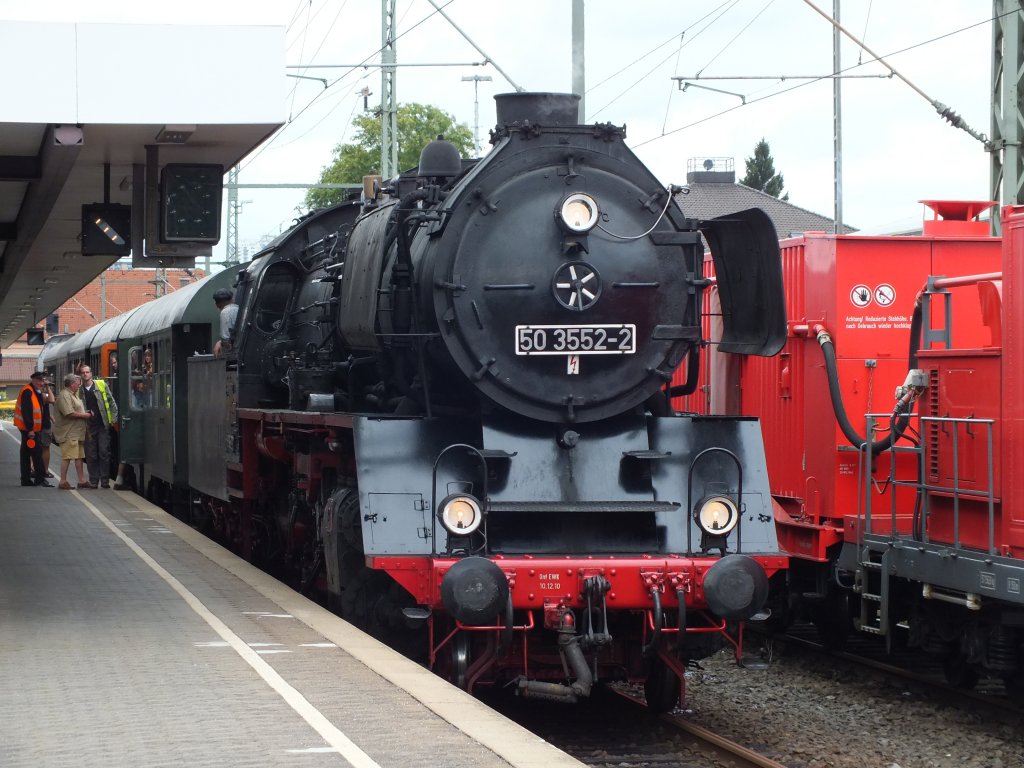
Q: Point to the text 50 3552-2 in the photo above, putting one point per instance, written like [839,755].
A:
[604,339]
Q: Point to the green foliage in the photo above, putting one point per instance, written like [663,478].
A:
[418,125]
[761,172]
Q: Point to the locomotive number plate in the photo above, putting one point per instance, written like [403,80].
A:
[606,339]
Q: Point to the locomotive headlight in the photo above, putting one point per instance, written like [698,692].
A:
[717,515]
[460,514]
[578,213]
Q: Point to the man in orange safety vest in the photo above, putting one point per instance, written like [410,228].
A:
[32,418]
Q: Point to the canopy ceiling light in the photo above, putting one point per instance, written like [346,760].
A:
[175,134]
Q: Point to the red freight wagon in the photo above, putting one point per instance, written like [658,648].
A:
[954,579]
[861,291]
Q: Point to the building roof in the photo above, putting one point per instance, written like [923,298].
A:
[16,370]
[716,193]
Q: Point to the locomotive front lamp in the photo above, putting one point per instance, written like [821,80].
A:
[717,515]
[461,514]
[578,213]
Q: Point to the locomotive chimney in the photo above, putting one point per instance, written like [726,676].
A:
[547,109]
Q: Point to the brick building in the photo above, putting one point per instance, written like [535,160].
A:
[116,290]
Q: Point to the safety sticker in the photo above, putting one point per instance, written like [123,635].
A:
[860,296]
[573,367]
[885,295]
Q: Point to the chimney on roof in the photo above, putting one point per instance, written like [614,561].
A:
[710,170]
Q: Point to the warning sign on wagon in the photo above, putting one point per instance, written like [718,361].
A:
[882,294]
[860,296]
[885,295]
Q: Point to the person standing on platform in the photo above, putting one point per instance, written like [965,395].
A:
[224,300]
[99,402]
[32,418]
[70,429]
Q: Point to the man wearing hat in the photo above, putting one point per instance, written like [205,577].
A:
[32,418]
[223,298]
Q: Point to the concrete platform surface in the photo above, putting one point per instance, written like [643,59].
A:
[129,639]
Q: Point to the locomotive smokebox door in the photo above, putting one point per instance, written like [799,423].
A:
[745,248]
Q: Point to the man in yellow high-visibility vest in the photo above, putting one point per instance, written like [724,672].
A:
[101,404]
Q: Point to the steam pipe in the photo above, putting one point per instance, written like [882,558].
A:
[658,621]
[569,649]
[681,622]
[953,282]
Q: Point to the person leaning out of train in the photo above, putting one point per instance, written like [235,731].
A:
[32,418]
[70,427]
[224,300]
[103,409]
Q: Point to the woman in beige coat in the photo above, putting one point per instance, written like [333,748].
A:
[69,430]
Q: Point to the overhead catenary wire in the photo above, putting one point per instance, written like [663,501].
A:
[658,65]
[302,49]
[680,35]
[864,34]
[295,13]
[736,36]
[945,112]
[365,62]
[751,101]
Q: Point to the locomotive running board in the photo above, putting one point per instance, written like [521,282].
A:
[745,249]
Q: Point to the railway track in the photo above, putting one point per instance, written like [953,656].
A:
[908,665]
[615,729]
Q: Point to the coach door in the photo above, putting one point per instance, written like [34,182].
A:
[136,398]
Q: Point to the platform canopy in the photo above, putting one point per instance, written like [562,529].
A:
[80,105]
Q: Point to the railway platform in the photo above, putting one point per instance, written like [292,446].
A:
[128,639]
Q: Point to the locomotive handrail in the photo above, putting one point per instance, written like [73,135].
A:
[459,626]
[530,624]
[720,627]
[924,489]
[739,497]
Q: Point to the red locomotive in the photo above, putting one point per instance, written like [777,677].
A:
[897,521]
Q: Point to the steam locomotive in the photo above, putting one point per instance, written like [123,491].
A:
[447,411]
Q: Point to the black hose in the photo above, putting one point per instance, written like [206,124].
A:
[832,372]
[915,334]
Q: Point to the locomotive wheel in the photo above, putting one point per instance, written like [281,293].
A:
[959,673]
[661,687]
[460,661]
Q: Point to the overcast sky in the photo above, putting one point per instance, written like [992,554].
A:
[896,149]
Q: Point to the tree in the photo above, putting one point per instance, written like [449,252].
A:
[761,173]
[418,125]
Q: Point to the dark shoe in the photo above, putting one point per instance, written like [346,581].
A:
[27,482]
[121,487]
[65,486]
[85,486]
[105,484]
[44,483]
[49,474]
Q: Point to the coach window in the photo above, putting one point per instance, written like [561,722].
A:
[141,378]
[163,374]
[275,292]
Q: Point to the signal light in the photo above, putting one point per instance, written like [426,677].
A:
[106,229]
